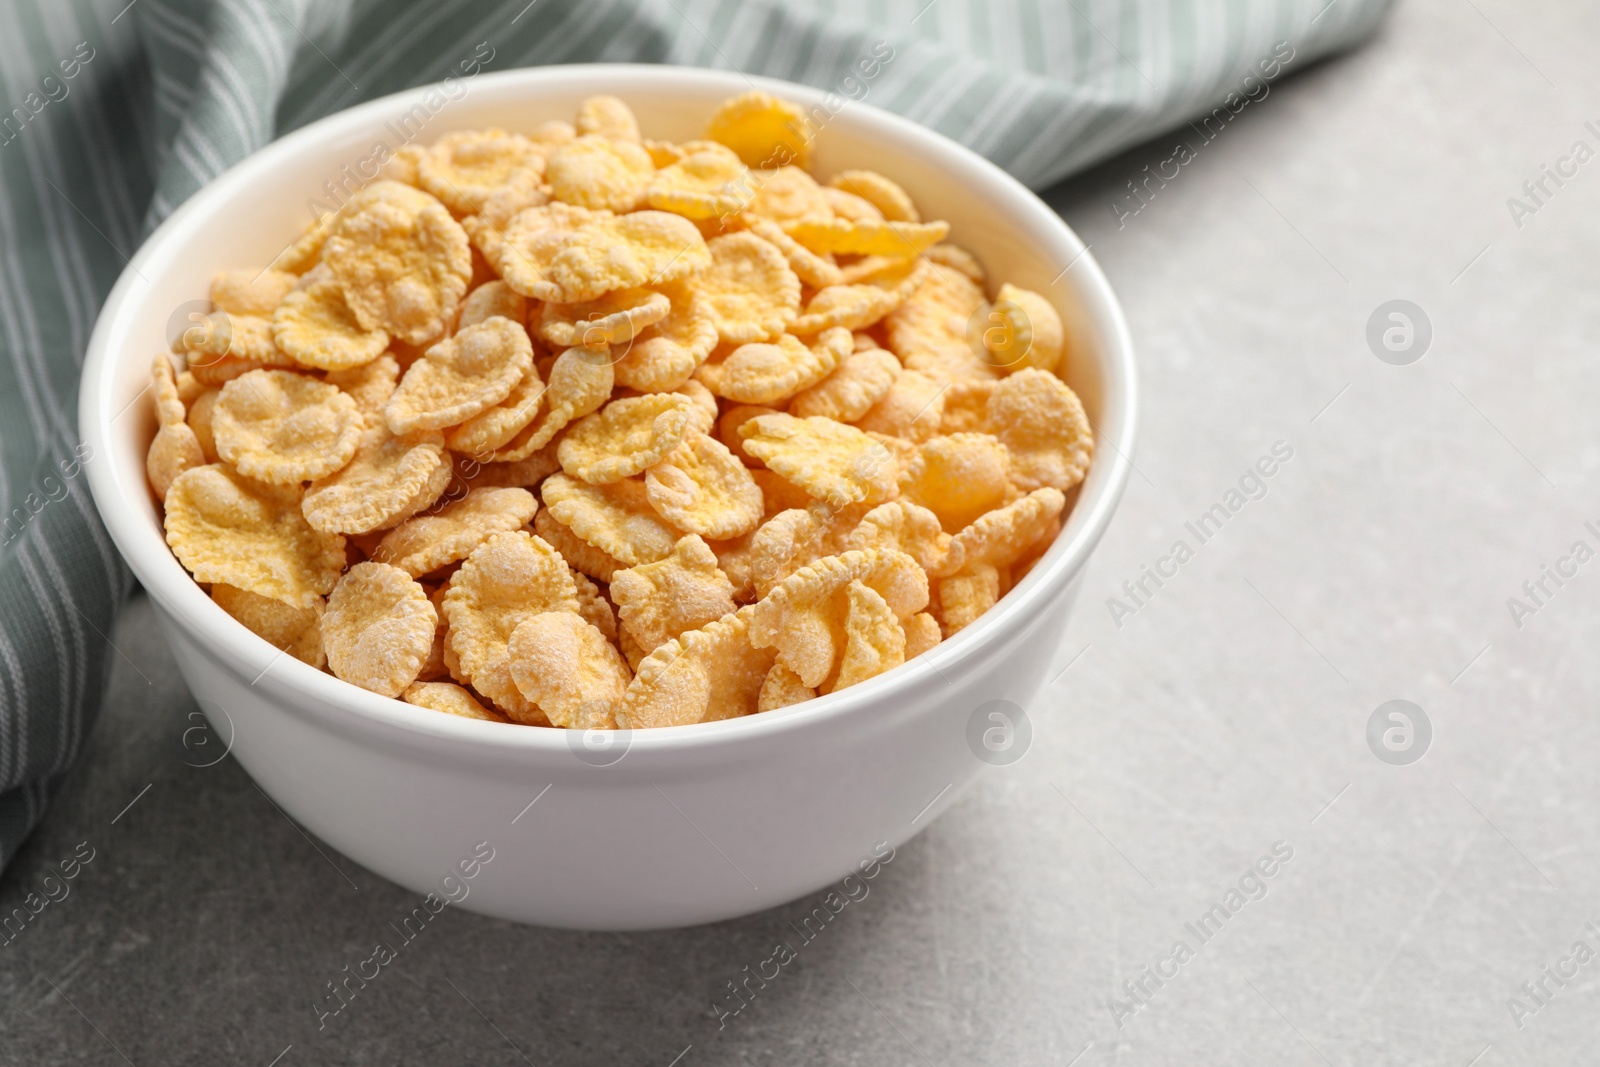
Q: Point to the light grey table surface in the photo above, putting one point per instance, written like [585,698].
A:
[1227,715]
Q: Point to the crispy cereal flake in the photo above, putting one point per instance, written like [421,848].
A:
[293,628]
[703,488]
[1042,424]
[402,271]
[378,628]
[450,699]
[427,542]
[703,675]
[685,591]
[567,667]
[461,376]
[781,688]
[285,428]
[389,479]
[830,460]
[625,437]
[615,518]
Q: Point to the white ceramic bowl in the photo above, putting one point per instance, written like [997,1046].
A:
[691,824]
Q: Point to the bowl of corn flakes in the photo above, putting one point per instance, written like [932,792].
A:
[668,483]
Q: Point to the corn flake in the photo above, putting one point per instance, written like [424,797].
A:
[833,462]
[176,447]
[495,427]
[608,116]
[389,479]
[913,408]
[625,437]
[600,173]
[282,427]
[764,130]
[782,688]
[1042,424]
[507,580]
[645,248]
[663,356]
[614,318]
[922,633]
[250,292]
[702,488]
[703,675]
[522,247]
[402,271]
[874,641]
[860,381]
[761,373]
[904,527]
[427,542]
[1003,536]
[568,669]
[866,237]
[491,299]
[464,169]
[581,556]
[450,699]
[703,184]
[460,377]
[892,202]
[958,477]
[966,595]
[378,628]
[615,518]
[224,527]
[817,271]
[292,628]
[684,591]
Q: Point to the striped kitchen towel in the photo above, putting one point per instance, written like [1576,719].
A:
[117,111]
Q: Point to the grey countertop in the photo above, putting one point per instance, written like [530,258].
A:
[1222,716]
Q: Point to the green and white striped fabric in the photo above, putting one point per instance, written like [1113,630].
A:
[115,112]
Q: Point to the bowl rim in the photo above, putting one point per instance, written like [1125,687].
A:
[346,706]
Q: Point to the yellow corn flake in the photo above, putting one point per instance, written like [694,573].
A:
[703,675]
[858,306]
[491,299]
[403,271]
[1001,537]
[787,194]
[625,437]
[464,169]
[913,408]
[779,494]
[427,542]
[685,591]
[761,373]
[494,428]
[797,537]
[292,628]
[664,355]
[593,606]
[957,258]
[520,474]
[281,427]
[189,387]
[551,135]
[849,206]
[369,385]
[835,463]
[892,202]
[873,268]
[450,699]
[749,289]
[250,292]
[389,479]
[922,633]
[378,628]
[607,116]
[224,527]
[904,527]
[645,248]
[176,448]
[568,669]
[581,556]
[316,328]
[461,376]
[861,380]
[580,381]
[728,429]
[817,271]
[966,407]
[805,616]
[782,688]
[1031,315]
[507,580]
[1042,424]
[950,366]
[866,237]
[703,184]
[935,315]
[966,595]
[615,518]
[531,239]
[600,173]
[303,253]
[764,130]
[958,477]
[702,487]
[213,336]
[402,165]
[199,419]
[614,318]
[874,641]
[702,406]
